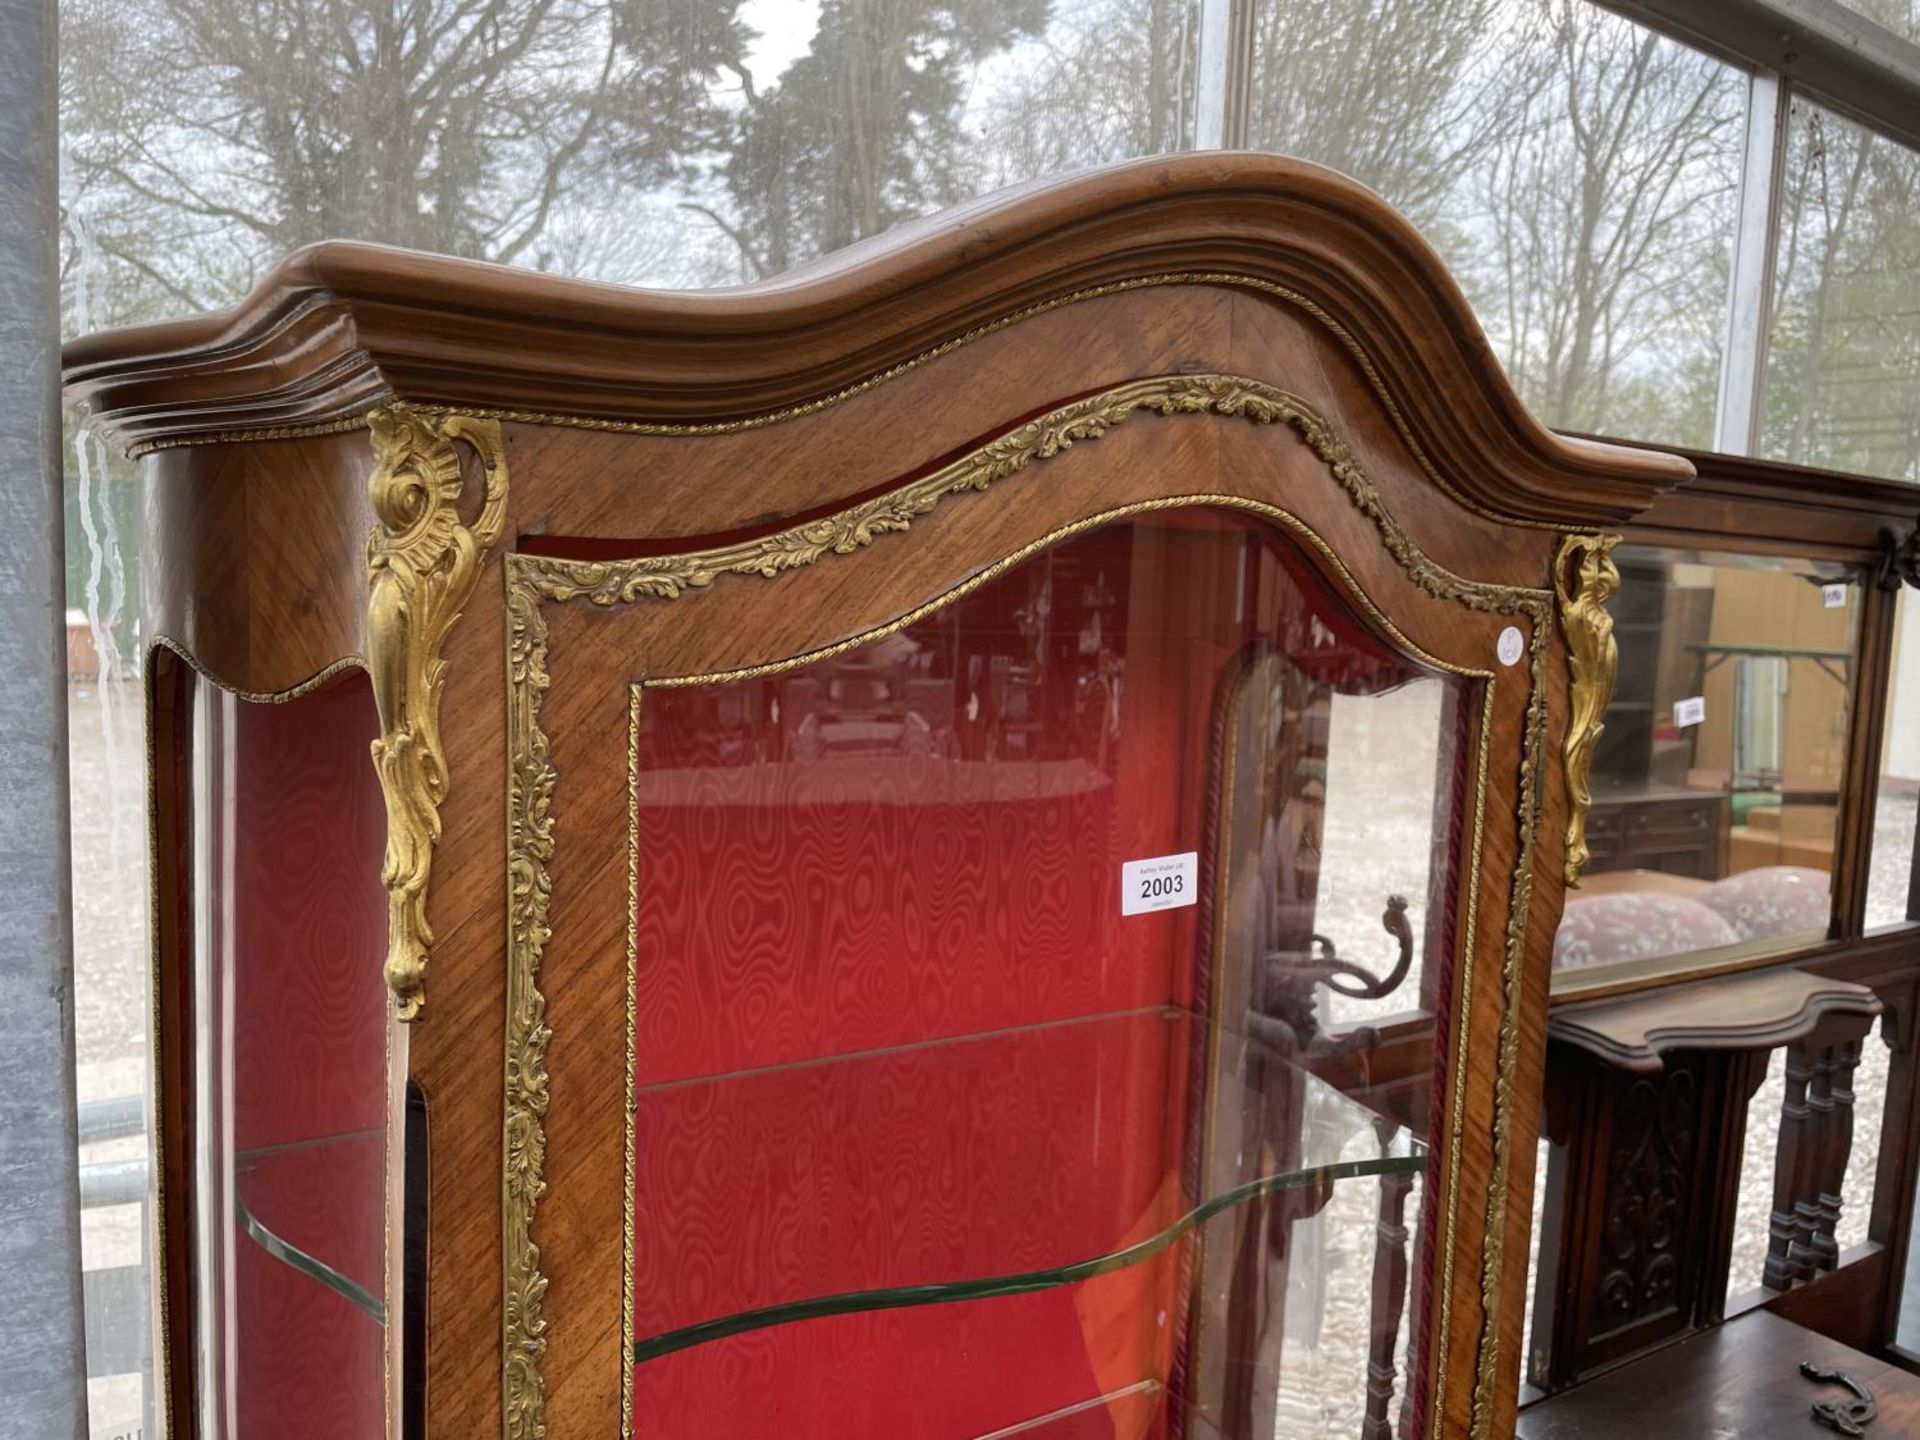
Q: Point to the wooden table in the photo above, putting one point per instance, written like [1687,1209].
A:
[1738,1381]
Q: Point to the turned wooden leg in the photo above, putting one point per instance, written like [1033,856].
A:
[1790,1163]
[1389,1293]
[1836,1152]
[1806,1200]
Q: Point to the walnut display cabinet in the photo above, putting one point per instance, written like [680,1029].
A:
[964,843]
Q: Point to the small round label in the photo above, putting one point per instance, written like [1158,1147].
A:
[1511,644]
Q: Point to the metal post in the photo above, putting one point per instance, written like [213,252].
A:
[1826,49]
[1743,363]
[42,1338]
[1225,75]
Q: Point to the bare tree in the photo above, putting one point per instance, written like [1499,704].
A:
[863,131]
[1607,215]
[1395,93]
[460,126]
[1843,373]
[1105,83]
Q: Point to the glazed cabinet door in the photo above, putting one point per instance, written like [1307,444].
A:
[1006,1000]
[1018,988]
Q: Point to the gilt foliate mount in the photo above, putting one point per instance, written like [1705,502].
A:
[423,560]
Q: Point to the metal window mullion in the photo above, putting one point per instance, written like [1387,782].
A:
[1830,50]
[42,1333]
[1743,358]
[1225,75]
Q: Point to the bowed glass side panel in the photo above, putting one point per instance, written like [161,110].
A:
[288,1070]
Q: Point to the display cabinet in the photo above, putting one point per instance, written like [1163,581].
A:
[965,843]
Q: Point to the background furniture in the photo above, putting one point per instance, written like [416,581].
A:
[1646,1112]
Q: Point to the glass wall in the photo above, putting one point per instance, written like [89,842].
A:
[1843,364]
[1576,172]
[1902,17]
[688,143]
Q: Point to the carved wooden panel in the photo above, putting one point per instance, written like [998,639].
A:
[1648,1198]
[1638,1220]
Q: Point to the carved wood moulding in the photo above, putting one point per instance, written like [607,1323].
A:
[339,327]
[1762,1010]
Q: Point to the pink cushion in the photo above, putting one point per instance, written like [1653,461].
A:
[1595,929]
[1773,900]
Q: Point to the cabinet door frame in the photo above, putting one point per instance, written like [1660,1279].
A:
[688,617]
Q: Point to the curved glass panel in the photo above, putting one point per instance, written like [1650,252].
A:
[289,928]
[986,1080]
[1843,352]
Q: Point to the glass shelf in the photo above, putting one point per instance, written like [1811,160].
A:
[1145,1408]
[304,1255]
[930,1174]
[318,1207]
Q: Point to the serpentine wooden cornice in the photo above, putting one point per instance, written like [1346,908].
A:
[341,327]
